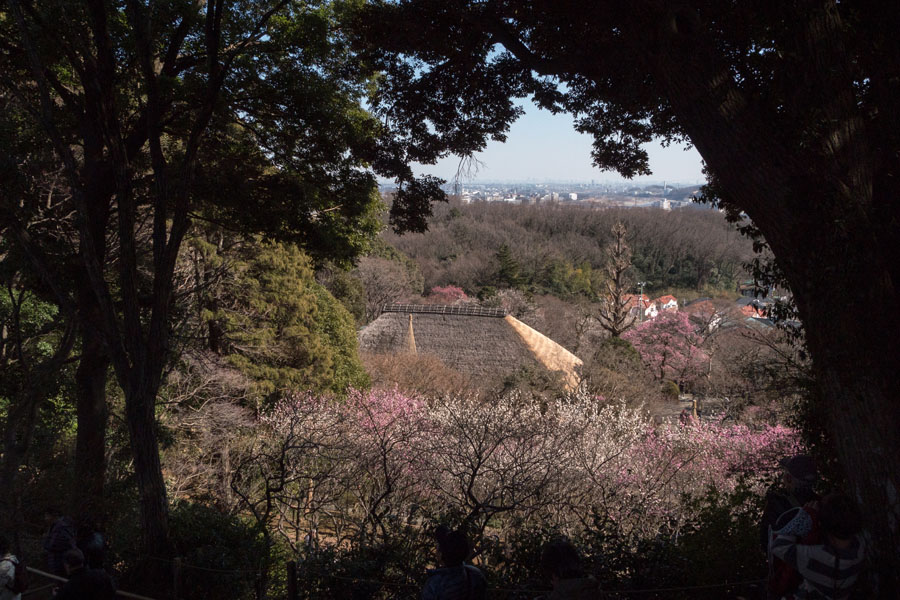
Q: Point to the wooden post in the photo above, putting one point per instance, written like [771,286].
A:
[292,580]
[176,577]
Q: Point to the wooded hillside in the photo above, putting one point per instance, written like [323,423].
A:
[558,249]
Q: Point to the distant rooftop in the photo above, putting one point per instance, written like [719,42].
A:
[445,309]
[485,349]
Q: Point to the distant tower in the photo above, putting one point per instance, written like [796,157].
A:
[411,339]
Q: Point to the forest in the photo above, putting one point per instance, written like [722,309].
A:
[192,237]
[558,250]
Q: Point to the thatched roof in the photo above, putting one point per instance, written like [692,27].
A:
[481,343]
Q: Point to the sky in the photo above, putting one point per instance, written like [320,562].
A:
[542,147]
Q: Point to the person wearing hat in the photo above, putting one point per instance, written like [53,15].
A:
[454,580]
[794,491]
[561,563]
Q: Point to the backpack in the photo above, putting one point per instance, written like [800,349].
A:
[783,578]
[19,581]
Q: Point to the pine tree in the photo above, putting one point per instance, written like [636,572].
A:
[508,271]
[614,314]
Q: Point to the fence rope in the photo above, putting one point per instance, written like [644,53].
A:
[59,579]
[256,572]
[602,593]
[185,565]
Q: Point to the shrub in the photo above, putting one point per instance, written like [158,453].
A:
[221,554]
[670,391]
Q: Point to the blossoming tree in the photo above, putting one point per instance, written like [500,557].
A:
[669,346]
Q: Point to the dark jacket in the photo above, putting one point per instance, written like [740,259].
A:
[87,584]
[59,540]
[582,588]
[93,546]
[779,501]
[464,582]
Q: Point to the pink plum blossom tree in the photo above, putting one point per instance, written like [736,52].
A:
[669,346]
[448,294]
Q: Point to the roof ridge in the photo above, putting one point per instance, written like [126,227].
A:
[445,309]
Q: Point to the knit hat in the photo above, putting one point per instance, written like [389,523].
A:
[801,467]
[454,545]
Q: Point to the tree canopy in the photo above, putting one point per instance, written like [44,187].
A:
[280,327]
[124,122]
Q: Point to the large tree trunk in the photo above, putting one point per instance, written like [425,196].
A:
[90,440]
[93,366]
[846,299]
[140,413]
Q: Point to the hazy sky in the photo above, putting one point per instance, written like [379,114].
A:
[541,146]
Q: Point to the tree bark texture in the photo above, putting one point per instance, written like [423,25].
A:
[140,415]
[93,365]
[91,411]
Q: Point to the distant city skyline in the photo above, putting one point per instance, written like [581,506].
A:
[543,147]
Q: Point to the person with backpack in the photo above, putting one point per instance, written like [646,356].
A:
[793,491]
[13,575]
[829,567]
[91,542]
[455,580]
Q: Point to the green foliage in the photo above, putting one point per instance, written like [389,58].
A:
[283,329]
[487,292]
[616,372]
[616,351]
[721,540]
[507,268]
[535,382]
[393,570]
[670,391]
[346,289]
[565,279]
[716,543]
[28,334]
[221,554]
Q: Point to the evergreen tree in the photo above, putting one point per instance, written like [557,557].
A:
[279,326]
[508,272]
[614,314]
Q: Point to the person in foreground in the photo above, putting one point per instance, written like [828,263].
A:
[829,568]
[561,563]
[793,491]
[84,583]
[8,565]
[455,580]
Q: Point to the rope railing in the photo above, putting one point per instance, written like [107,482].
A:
[444,309]
[494,590]
[306,574]
[292,569]
[58,579]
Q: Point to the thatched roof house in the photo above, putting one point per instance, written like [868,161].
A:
[475,341]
